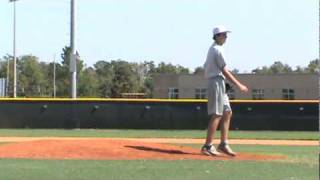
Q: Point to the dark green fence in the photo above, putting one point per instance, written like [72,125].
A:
[154,114]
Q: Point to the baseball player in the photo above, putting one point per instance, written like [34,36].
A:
[218,101]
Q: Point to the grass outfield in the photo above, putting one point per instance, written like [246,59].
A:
[153,170]
[292,135]
[302,162]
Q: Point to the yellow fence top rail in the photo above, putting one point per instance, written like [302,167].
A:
[146,100]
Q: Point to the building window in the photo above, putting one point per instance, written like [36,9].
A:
[173,93]
[257,94]
[288,94]
[200,93]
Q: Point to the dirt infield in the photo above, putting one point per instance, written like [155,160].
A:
[174,140]
[110,149]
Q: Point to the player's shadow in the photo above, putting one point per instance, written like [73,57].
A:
[144,148]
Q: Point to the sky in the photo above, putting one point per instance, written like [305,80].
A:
[171,31]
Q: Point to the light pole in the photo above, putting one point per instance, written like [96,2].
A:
[8,75]
[73,55]
[54,76]
[14,50]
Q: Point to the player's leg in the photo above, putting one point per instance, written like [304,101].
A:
[215,109]
[212,128]
[224,127]
[208,148]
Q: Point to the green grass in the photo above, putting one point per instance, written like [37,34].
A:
[293,135]
[154,170]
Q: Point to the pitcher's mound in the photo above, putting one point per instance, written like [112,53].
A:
[109,149]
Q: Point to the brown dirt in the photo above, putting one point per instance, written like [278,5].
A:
[112,149]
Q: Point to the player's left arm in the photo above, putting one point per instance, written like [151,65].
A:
[234,80]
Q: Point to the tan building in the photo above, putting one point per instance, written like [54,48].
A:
[279,86]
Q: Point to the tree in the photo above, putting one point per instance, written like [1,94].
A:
[125,79]
[3,65]
[165,68]
[3,70]
[300,69]
[88,83]
[313,66]
[171,69]
[47,71]
[263,70]
[65,55]
[199,70]
[31,79]
[278,68]
[141,70]
[63,72]
[182,70]
[148,81]
[105,74]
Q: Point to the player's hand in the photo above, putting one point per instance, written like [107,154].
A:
[243,88]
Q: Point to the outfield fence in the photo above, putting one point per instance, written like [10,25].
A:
[295,115]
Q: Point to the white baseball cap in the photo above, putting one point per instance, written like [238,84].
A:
[220,29]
